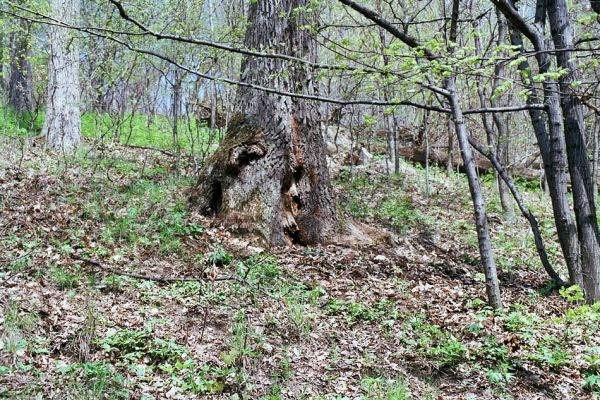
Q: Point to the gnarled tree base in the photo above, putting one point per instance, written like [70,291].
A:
[270,180]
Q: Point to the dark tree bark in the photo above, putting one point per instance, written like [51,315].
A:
[269,175]
[595,4]
[579,166]
[552,150]
[20,91]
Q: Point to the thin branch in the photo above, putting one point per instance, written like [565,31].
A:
[99,264]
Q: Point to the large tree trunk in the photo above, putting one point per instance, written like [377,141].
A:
[62,126]
[20,84]
[579,167]
[269,175]
[553,153]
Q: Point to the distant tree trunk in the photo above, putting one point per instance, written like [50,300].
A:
[177,83]
[269,175]
[425,131]
[503,137]
[62,126]
[20,91]
[595,154]
[450,146]
[497,138]
[579,167]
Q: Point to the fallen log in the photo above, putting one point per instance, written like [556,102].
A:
[484,166]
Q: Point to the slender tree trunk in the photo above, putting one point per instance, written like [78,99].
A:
[579,168]
[269,175]
[595,154]
[426,136]
[497,138]
[492,285]
[450,146]
[535,229]
[503,137]
[62,126]
[20,86]
[177,83]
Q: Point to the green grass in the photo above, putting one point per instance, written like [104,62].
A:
[133,129]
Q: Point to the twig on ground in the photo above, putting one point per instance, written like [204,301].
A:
[99,264]
[11,260]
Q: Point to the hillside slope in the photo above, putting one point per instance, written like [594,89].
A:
[112,288]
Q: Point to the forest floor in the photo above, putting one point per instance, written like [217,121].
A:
[111,288]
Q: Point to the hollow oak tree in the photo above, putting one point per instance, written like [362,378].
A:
[269,175]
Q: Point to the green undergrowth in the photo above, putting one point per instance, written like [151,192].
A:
[210,336]
[138,130]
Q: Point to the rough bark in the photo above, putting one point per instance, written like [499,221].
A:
[450,147]
[552,150]
[579,167]
[62,126]
[595,153]
[269,175]
[20,86]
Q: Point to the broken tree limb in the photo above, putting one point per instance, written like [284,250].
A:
[539,243]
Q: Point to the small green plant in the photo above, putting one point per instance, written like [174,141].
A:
[384,389]
[592,372]
[357,312]
[500,376]
[549,353]
[18,326]
[133,345]
[65,279]
[592,382]
[219,256]
[519,321]
[260,269]
[113,283]
[572,293]
[97,380]
[20,264]
[441,347]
